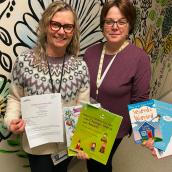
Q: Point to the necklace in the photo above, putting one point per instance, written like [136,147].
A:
[99,77]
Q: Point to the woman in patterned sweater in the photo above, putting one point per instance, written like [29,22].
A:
[51,67]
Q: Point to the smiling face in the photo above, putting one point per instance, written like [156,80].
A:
[57,41]
[118,32]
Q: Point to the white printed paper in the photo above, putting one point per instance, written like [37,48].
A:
[44,118]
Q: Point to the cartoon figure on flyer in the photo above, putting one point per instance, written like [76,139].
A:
[93,146]
[78,145]
[104,142]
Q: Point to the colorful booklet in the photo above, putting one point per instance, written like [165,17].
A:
[145,121]
[71,115]
[164,110]
[167,152]
[95,133]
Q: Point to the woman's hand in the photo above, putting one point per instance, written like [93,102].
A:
[82,155]
[17,126]
[150,145]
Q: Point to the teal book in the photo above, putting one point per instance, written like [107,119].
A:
[95,133]
[164,110]
[145,121]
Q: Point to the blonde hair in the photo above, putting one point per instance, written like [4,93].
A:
[73,47]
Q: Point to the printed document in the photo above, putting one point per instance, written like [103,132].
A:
[44,118]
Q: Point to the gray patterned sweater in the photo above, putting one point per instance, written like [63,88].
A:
[31,77]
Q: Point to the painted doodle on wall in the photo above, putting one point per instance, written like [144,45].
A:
[153,33]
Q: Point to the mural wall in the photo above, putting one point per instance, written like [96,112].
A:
[18,22]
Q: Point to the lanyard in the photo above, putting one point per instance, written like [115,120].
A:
[51,80]
[99,77]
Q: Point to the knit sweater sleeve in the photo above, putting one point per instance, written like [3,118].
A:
[15,93]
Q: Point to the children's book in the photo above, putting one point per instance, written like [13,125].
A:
[163,114]
[145,121]
[164,110]
[95,133]
[167,152]
[71,115]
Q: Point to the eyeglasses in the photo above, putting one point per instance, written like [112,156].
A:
[56,26]
[110,23]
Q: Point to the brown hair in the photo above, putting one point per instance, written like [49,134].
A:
[73,47]
[125,7]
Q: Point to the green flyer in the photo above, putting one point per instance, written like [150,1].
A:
[95,133]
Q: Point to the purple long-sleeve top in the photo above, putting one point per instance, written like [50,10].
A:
[126,82]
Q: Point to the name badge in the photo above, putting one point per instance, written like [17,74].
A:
[59,157]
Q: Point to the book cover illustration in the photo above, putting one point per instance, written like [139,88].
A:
[145,121]
[71,115]
[165,111]
[95,133]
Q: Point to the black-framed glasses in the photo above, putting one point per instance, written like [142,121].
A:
[110,23]
[56,26]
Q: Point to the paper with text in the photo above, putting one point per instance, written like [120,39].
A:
[44,118]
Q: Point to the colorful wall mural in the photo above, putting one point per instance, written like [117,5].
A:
[18,22]
[153,33]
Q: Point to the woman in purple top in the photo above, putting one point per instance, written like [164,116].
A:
[120,72]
